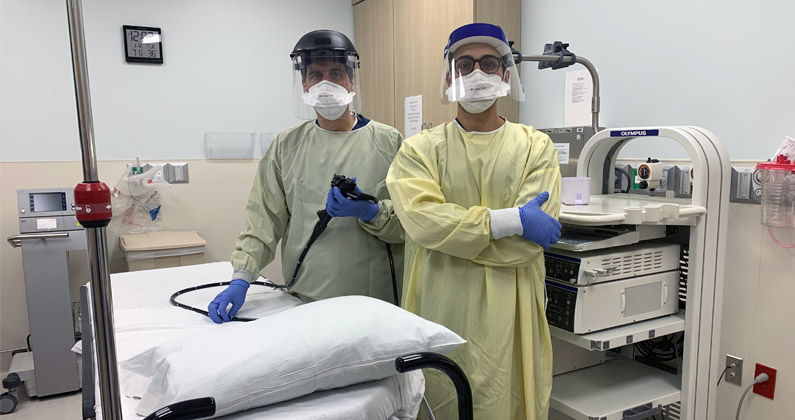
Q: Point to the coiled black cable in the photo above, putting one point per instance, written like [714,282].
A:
[174,296]
[662,349]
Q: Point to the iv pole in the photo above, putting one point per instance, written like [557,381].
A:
[93,211]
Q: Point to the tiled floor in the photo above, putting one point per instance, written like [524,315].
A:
[65,406]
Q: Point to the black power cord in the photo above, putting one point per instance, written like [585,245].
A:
[392,270]
[723,373]
[662,349]
[655,352]
[629,180]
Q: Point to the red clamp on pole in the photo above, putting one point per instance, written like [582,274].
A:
[92,204]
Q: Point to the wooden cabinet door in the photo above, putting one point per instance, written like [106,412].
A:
[508,15]
[401,45]
[374,24]
[421,29]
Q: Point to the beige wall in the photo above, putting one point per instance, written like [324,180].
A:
[759,291]
[212,204]
[758,312]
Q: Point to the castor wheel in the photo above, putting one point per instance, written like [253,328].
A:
[9,400]
[8,403]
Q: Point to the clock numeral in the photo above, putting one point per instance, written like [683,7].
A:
[152,53]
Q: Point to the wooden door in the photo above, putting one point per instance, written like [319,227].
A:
[508,15]
[421,29]
[374,24]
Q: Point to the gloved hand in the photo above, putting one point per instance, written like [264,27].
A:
[538,226]
[337,205]
[234,294]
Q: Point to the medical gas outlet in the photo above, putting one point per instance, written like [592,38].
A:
[172,173]
[649,174]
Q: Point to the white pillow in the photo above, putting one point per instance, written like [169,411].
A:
[320,345]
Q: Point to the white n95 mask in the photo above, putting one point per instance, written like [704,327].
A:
[330,100]
[477,91]
[476,107]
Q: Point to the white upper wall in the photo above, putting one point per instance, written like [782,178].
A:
[727,66]
[226,68]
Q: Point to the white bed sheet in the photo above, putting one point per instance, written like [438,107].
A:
[144,317]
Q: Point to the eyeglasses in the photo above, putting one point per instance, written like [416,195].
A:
[465,64]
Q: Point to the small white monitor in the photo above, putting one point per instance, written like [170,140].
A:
[45,202]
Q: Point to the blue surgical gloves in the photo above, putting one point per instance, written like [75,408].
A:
[530,221]
[538,226]
[234,294]
[337,205]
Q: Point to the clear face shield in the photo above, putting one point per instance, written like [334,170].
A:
[325,83]
[478,73]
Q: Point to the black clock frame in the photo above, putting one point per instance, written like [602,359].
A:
[133,59]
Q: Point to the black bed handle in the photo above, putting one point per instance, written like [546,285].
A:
[416,361]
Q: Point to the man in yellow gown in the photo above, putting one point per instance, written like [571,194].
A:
[478,198]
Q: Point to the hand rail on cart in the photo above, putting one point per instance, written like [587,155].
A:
[16,240]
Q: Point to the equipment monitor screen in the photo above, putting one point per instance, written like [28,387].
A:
[43,202]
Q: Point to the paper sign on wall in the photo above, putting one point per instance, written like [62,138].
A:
[577,103]
[412,110]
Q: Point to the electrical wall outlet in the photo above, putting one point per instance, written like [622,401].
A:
[745,186]
[734,370]
[766,389]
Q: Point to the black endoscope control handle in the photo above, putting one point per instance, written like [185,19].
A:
[347,186]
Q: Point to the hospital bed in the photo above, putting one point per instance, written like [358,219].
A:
[144,318]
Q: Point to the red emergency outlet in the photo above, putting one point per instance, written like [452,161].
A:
[765,389]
